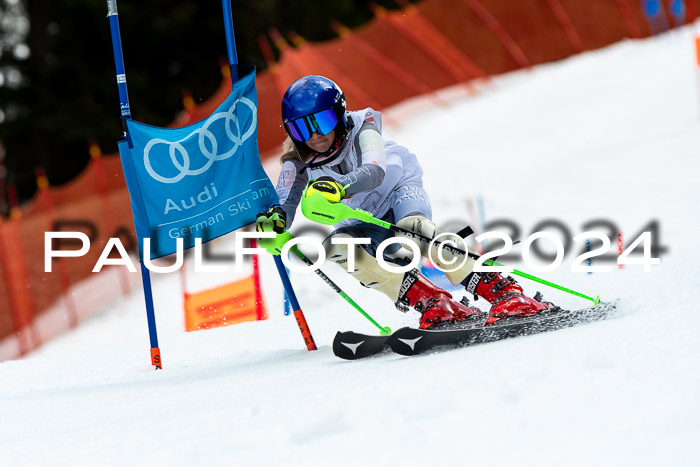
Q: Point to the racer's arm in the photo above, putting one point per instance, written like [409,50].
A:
[290,187]
[370,173]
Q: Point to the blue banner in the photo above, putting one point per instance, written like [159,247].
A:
[203,180]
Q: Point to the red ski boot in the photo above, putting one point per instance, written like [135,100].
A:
[505,296]
[435,304]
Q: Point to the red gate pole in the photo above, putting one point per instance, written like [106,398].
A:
[256,281]
[620,248]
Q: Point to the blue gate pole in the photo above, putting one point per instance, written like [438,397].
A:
[287,303]
[230,40]
[126,115]
[233,65]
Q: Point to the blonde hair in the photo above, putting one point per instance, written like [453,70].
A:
[290,151]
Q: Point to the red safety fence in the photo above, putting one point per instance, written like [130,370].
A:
[399,54]
[95,203]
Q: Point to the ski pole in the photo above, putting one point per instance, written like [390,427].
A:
[317,208]
[595,301]
[487,262]
[384,331]
[274,246]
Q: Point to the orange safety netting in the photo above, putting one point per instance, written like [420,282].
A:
[87,205]
[397,55]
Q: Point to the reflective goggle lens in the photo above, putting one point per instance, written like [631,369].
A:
[298,130]
[322,122]
[325,121]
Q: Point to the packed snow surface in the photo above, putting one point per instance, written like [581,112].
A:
[611,134]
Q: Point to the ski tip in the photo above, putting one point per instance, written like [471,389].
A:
[597,301]
[353,346]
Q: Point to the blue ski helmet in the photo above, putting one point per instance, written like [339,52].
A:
[314,104]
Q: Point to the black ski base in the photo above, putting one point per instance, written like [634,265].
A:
[412,341]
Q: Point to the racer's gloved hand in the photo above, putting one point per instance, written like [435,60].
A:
[275,245]
[272,220]
[328,187]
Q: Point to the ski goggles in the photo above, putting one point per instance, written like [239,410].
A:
[322,122]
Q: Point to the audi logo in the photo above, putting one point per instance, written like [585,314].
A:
[179,155]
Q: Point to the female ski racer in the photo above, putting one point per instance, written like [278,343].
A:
[345,156]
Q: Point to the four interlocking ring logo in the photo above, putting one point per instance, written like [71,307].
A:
[176,148]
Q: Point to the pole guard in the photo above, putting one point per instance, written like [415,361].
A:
[155,358]
[304,328]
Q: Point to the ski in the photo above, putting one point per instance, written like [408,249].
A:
[352,345]
[412,341]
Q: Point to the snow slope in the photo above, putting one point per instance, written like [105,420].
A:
[610,134]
